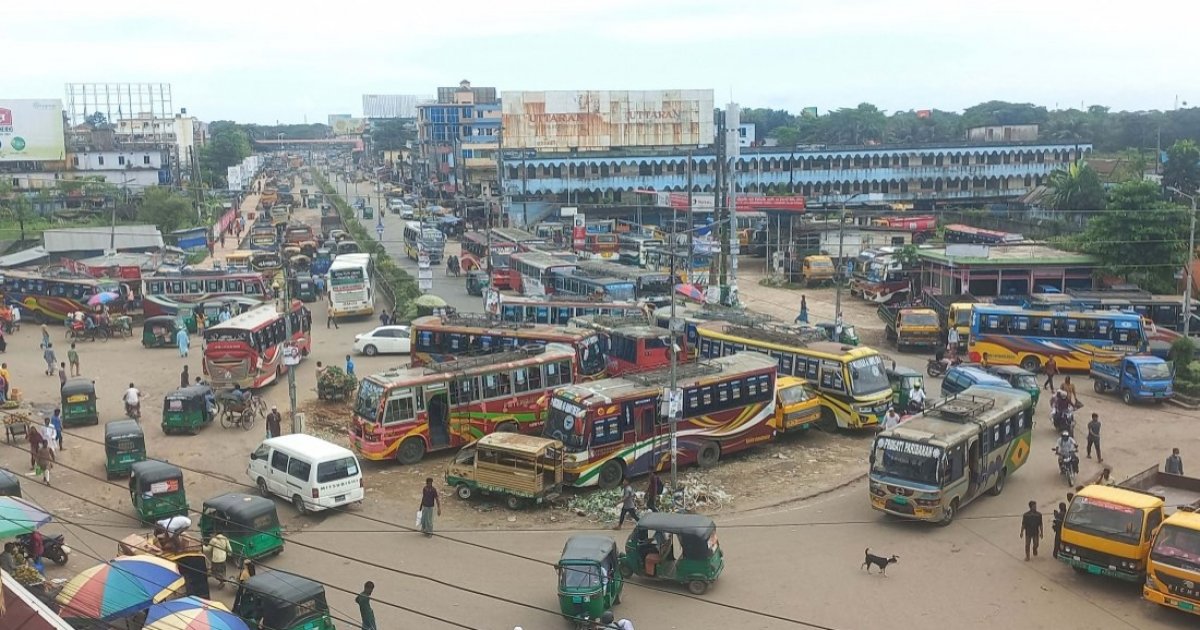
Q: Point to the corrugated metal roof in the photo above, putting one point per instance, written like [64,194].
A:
[23,257]
[87,239]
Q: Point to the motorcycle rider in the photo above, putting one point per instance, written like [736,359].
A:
[133,408]
[1061,409]
[1068,449]
[916,399]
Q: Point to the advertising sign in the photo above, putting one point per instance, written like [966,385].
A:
[745,202]
[31,129]
[348,126]
[570,120]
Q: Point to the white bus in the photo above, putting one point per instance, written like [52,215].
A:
[418,236]
[350,290]
[634,247]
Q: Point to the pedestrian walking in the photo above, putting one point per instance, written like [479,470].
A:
[802,318]
[62,375]
[653,489]
[1051,370]
[45,337]
[429,501]
[7,379]
[48,355]
[56,424]
[210,248]
[383,318]
[73,359]
[45,461]
[891,419]
[952,341]
[329,317]
[627,504]
[364,607]
[1031,529]
[183,341]
[1093,437]
[49,433]
[184,379]
[34,435]
[222,240]
[1174,463]
[349,365]
[274,423]
[218,550]
[1056,524]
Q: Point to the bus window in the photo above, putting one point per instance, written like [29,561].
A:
[233,285]
[606,431]
[399,410]
[955,457]
[214,286]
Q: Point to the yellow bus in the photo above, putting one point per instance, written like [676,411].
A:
[851,382]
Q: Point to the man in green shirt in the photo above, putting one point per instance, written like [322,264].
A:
[364,606]
[73,359]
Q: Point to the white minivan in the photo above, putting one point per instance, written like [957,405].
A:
[311,473]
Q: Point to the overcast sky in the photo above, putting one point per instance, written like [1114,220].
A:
[267,60]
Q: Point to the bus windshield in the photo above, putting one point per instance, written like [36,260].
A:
[906,461]
[1178,547]
[867,376]
[366,404]
[562,424]
[1105,519]
[591,356]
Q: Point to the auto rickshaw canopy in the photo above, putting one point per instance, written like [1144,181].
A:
[77,386]
[148,472]
[693,530]
[243,511]
[124,429]
[280,599]
[192,396]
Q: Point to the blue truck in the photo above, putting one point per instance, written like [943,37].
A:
[1134,378]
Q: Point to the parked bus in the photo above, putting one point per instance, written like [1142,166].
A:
[578,282]
[933,464]
[51,299]
[633,248]
[959,233]
[477,252]
[613,428]
[443,338]
[602,246]
[263,237]
[647,283]
[350,290]
[630,343]
[1028,338]
[203,287]
[852,383]
[247,350]
[1164,310]
[404,413]
[419,237]
[532,272]
[524,241]
[694,269]
[559,310]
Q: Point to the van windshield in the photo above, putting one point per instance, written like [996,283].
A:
[336,469]
[1105,519]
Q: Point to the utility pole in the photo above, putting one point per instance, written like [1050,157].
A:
[839,275]
[673,397]
[717,275]
[732,153]
[1191,262]
[297,421]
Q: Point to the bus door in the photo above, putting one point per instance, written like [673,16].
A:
[642,417]
[975,466]
[437,406]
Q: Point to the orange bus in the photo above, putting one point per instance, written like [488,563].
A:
[247,350]
[439,338]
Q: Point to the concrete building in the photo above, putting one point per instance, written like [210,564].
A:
[459,136]
[130,168]
[77,243]
[992,270]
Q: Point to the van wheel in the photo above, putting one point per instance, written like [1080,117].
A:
[463,491]
[949,514]
[709,455]
[1127,397]
[1031,364]
[298,501]
[514,502]
[611,474]
[411,451]
[697,587]
[262,488]
[999,487]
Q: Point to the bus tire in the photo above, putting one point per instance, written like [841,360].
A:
[1031,364]
[828,421]
[999,487]
[709,455]
[611,474]
[411,451]
[949,514]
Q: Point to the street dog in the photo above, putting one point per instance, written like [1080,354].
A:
[879,561]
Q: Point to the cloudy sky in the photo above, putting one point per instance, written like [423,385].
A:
[267,60]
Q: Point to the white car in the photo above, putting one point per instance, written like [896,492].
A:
[383,340]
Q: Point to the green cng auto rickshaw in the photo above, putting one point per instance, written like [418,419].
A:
[589,581]
[304,288]
[903,380]
[282,601]
[849,336]
[187,409]
[124,444]
[477,281]
[79,402]
[156,490]
[159,331]
[680,548]
[250,523]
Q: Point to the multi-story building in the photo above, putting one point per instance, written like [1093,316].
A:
[459,136]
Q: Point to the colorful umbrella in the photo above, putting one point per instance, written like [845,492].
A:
[104,297]
[119,587]
[192,613]
[18,516]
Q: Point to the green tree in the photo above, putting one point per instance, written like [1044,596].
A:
[1183,166]
[1003,113]
[1133,165]
[15,205]
[392,135]
[227,146]
[166,209]
[766,120]
[864,124]
[1141,236]
[1076,189]
[97,120]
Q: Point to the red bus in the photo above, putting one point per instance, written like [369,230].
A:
[632,344]
[442,338]
[613,428]
[200,287]
[476,253]
[404,413]
[531,271]
[247,350]
[603,246]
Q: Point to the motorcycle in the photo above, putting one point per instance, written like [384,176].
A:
[1064,420]
[134,412]
[1066,466]
[53,547]
[936,367]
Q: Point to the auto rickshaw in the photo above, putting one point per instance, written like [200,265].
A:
[300,263]
[282,601]
[589,579]
[156,490]
[291,250]
[521,468]
[347,247]
[849,335]
[902,380]
[79,402]
[308,248]
[159,331]
[304,288]
[187,409]
[251,524]
[10,483]
[477,281]
[184,550]
[321,261]
[680,548]
[124,444]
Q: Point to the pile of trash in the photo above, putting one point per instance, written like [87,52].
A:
[698,494]
[599,505]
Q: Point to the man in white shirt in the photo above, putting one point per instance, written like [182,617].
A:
[916,398]
[131,398]
[891,420]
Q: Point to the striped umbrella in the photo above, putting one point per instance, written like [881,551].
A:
[192,613]
[18,516]
[120,587]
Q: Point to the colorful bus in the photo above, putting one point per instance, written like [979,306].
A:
[1010,335]
[404,413]
[851,381]
[443,338]
[631,344]
[633,248]
[263,237]
[51,299]
[603,246]
[613,428]
[933,464]
[247,350]
[419,237]
[532,272]
[524,241]
[559,310]
[581,283]
[694,269]
[350,290]
[647,283]
[476,250]
[202,287]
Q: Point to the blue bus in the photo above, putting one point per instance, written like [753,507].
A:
[1011,335]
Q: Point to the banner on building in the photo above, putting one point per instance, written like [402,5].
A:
[349,126]
[31,129]
[705,202]
[568,120]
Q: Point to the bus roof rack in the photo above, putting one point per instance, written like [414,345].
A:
[662,376]
[959,408]
[619,321]
[481,320]
[466,362]
[772,332]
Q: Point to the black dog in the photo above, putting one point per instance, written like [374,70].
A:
[878,561]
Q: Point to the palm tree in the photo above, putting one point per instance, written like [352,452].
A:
[1076,189]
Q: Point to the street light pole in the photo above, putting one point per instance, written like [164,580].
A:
[837,295]
[1191,262]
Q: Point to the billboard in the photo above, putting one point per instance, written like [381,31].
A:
[745,202]
[31,129]
[391,105]
[348,126]
[597,119]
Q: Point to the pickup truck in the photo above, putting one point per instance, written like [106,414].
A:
[1110,530]
[911,327]
[1134,378]
[954,311]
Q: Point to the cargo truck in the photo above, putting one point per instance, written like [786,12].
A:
[1135,378]
[954,311]
[911,327]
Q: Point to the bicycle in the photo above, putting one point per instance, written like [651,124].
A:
[241,415]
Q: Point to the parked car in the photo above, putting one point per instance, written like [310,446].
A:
[383,340]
